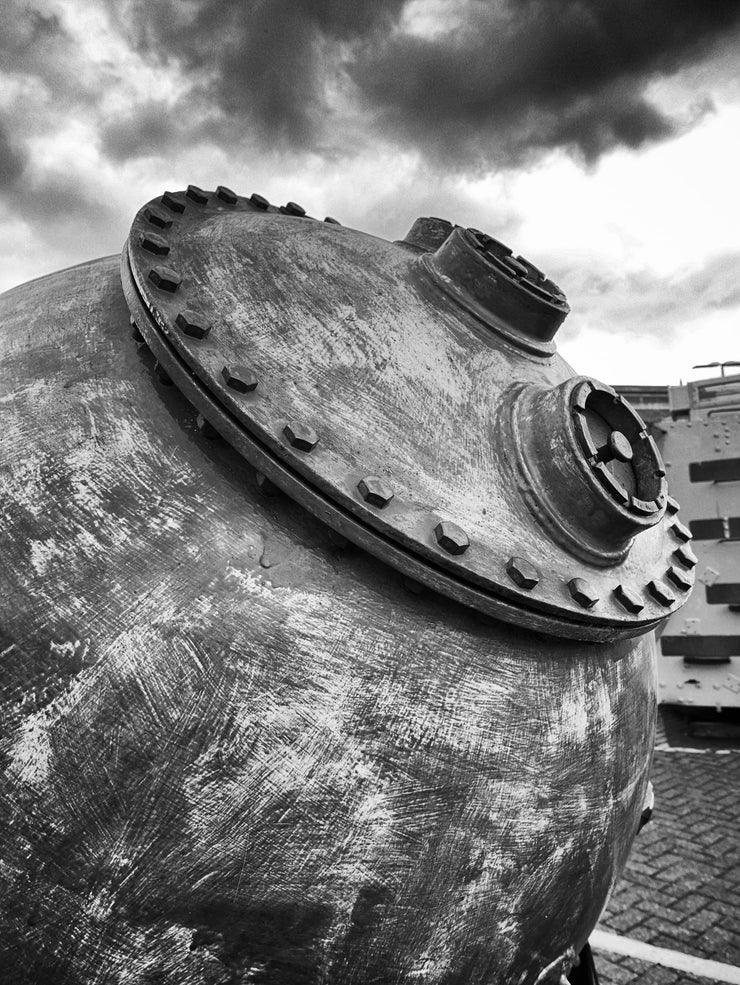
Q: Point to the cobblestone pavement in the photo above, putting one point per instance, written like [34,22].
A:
[681,886]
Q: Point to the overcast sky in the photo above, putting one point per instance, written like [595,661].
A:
[600,138]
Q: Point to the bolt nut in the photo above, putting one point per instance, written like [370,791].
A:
[239,378]
[162,375]
[679,579]
[375,491]
[686,557]
[193,323]
[165,278]
[206,428]
[301,436]
[661,593]
[671,505]
[157,218]
[153,243]
[451,537]
[583,592]
[682,532]
[173,202]
[629,598]
[259,201]
[522,573]
[226,195]
[196,195]
[136,334]
[292,208]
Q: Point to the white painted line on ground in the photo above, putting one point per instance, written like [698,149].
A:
[600,940]
[714,752]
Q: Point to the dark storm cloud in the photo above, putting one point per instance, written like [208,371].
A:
[493,82]
[262,65]
[41,59]
[28,37]
[52,83]
[147,129]
[532,74]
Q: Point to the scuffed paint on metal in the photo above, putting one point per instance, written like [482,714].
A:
[235,753]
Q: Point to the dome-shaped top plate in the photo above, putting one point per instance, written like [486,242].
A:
[334,362]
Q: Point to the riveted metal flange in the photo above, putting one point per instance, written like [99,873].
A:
[332,361]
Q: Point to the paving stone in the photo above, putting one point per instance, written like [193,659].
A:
[703,919]
[681,885]
[624,923]
[660,911]
[611,973]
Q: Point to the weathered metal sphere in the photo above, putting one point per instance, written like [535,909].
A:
[237,748]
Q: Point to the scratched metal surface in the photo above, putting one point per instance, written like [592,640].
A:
[233,752]
[344,332]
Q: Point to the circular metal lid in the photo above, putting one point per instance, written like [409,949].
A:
[359,376]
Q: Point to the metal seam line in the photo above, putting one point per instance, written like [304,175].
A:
[600,940]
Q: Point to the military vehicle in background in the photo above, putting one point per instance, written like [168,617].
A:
[697,429]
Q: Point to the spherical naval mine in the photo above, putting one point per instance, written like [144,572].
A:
[330,683]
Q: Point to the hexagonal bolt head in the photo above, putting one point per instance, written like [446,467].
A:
[172,202]
[683,533]
[165,278]
[292,208]
[153,243]
[259,201]
[686,557]
[679,579]
[671,505]
[661,593]
[629,598]
[522,573]
[196,195]
[583,592]
[226,195]
[206,428]
[239,378]
[451,538]
[157,218]
[301,436]
[375,491]
[136,334]
[162,375]
[193,323]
